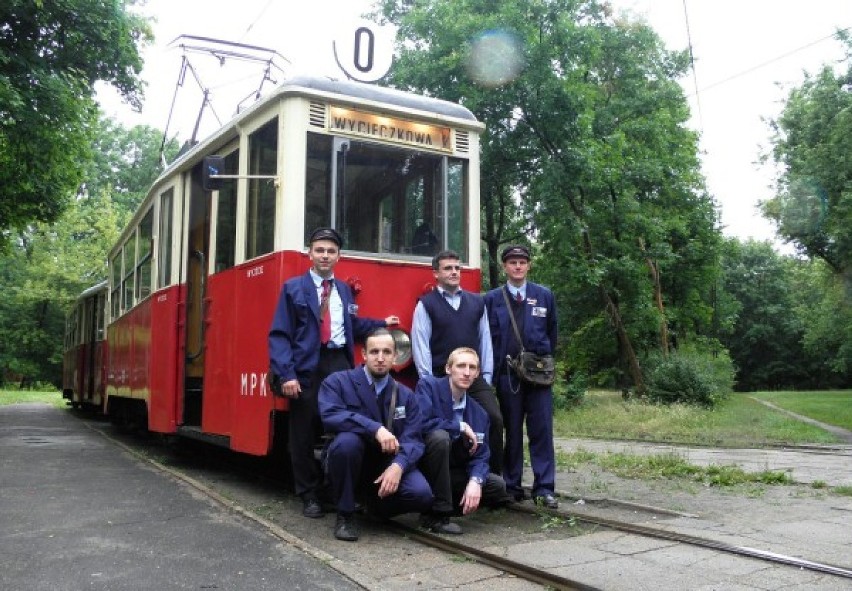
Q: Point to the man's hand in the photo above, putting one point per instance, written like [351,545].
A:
[472,495]
[388,480]
[467,432]
[387,441]
[392,320]
[291,389]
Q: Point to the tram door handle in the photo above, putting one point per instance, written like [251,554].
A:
[202,260]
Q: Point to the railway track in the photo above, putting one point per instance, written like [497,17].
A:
[474,552]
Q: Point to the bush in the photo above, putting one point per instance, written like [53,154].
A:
[569,393]
[689,376]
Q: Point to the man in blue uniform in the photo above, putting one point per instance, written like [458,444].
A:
[456,458]
[534,310]
[312,335]
[377,425]
[447,318]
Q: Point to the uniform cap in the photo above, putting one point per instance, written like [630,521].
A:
[326,234]
[515,251]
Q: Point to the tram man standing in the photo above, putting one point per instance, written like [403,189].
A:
[456,458]
[534,310]
[312,335]
[376,423]
[447,318]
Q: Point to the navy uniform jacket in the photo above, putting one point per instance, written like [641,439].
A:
[538,330]
[294,338]
[347,403]
[436,404]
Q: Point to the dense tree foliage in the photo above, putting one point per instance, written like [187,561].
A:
[47,265]
[587,151]
[51,55]
[813,205]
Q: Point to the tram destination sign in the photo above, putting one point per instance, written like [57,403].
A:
[381,127]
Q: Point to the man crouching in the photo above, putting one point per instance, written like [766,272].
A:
[455,430]
[376,423]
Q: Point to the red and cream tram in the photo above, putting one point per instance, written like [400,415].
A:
[83,362]
[194,280]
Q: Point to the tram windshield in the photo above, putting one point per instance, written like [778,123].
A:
[384,199]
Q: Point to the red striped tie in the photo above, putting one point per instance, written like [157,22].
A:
[325,314]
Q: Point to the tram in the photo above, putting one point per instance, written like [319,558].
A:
[195,276]
[83,363]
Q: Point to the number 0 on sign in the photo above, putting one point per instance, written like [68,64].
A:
[364,51]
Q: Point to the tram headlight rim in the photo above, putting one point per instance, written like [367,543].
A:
[402,341]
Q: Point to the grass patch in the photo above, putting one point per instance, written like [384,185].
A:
[28,397]
[833,407]
[845,491]
[671,466]
[737,422]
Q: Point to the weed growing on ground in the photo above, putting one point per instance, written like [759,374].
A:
[845,491]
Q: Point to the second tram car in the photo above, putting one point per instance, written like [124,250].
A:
[194,280]
[84,362]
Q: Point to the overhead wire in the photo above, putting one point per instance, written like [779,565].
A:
[692,65]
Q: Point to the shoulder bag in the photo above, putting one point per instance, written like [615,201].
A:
[532,369]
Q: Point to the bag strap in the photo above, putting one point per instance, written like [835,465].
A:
[512,318]
[392,407]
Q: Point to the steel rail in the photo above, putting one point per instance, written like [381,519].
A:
[662,534]
[519,569]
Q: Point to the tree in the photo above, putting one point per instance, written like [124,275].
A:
[125,162]
[813,205]
[766,341]
[585,150]
[47,265]
[51,55]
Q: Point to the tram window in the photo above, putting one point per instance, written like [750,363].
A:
[143,261]
[317,183]
[457,212]
[260,220]
[165,262]
[226,215]
[99,311]
[115,295]
[129,251]
[392,200]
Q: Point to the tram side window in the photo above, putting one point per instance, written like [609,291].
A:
[165,248]
[129,251]
[143,261]
[115,295]
[317,183]
[226,216]
[100,308]
[457,210]
[263,154]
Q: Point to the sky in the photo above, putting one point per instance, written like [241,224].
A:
[748,54]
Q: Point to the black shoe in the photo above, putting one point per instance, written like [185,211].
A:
[346,529]
[518,495]
[438,524]
[547,500]
[312,508]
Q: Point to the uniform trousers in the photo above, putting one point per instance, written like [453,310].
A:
[522,402]
[483,393]
[305,426]
[353,463]
[445,465]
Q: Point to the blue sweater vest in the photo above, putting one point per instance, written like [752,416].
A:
[451,328]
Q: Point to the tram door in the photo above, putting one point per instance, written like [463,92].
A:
[196,268]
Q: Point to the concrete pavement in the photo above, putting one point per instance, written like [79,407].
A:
[79,513]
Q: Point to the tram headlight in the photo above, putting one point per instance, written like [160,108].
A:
[403,347]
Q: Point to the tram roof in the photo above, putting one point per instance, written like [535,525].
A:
[342,91]
[102,286]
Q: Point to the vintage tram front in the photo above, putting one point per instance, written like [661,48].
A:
[194,280]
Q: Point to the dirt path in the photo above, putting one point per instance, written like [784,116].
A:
[842,433]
